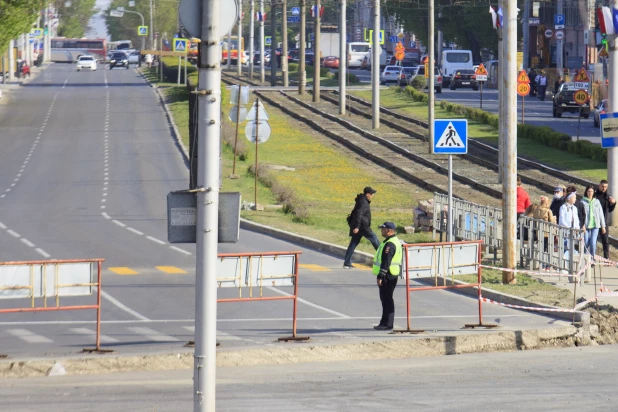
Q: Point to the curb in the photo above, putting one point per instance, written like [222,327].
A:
[301,353]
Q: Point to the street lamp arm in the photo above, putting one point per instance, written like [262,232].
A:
[135,12]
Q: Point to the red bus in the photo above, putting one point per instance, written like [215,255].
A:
[66,50]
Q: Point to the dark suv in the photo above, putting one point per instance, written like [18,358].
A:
[564,102]
[119,59]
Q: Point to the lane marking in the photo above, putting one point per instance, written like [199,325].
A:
[222,336]
[152,334]
[118,222]
[28,336]
[13,233]
[88,332]
[2,226]
[121,306]
[154,239]
[27,242]
[122,270]
[42,252]
[137,232]
[306,302]
[172,270]
[106,216]
[177,249]
[313,267]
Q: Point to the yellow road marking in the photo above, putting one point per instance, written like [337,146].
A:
[361,267]
[123,270]
[315,268]
[172,270]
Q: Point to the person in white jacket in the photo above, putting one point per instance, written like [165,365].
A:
[568,216]
[595,220]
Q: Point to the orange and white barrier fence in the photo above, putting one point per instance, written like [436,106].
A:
[46,279]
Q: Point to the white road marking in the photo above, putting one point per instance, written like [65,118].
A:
[88,332]
[222,336]
[152,334]
[42,252]
[2,226]
[27,242]
[154,239]
[119,223]
[106,216]
[119,305]
[137,232]
[2,195]
[13,233]
[27,336]
[332,312]
[177,249]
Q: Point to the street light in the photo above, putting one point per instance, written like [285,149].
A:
[123,10]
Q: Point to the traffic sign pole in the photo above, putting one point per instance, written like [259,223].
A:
[449,214]
[481,89]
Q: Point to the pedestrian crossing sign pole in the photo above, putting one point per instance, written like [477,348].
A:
[180,45]
[450,137]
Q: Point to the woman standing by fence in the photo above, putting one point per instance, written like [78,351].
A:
[594,220]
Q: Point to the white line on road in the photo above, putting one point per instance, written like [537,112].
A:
[137,232]
[119,305]
[88,332]
[152,334]
[28,336]
[220,335]
[177,249]
[341,315]
[42,252]
[13,233]
[2,226]
[106,216]
[27,242]
[154,239]
[119,223]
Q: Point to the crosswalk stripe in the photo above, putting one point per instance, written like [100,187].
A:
[122,270]
[88,332]
[152,334]
[28,336]
[361,267]
[172,270]
[313,267]
[220,335]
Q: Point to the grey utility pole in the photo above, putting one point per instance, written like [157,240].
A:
[151,30]
[375,67]
[228,65]
[284,44]
[46,42]
[560,42]
[303,41]
[273,43]
[251,38]
[509,98]
[143,38]
[612,153]
[343,56]
[241,49]
[431,69]
[12,59]
[209,124]
[526,28]
[262,74]
[316,53]
[501,113]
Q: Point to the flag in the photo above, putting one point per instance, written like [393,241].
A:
[259,16]
[314,9]
[601,21]
[494,17]
[615,18]
[609,22]
[500,19]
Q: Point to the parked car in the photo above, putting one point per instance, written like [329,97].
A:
[437,77]
[309,57]
[406,73]
[134,57]
[598,112]
[331,62]
[390,74]
[86,62]
[463,78]
[564,102]
[293,55]
[119,59]
[257,58]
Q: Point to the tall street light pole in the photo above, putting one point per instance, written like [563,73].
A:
[251,39]
[143,38]
[343,56]
[151,30]
[262,74]
[375,66]
[316,53]
[612,153]
[303,41]
[284,45]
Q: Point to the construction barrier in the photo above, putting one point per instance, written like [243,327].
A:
[435,260]
[53,279]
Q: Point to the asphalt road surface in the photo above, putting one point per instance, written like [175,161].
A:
[573,379]
[86,165]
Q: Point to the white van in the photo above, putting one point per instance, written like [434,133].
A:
[453,60]
[383,58]
[356,53]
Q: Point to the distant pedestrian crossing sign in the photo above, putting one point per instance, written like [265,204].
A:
[450,136]
[36,33]
[180,45]
[142,30]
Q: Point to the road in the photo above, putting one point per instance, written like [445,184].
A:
[536,112]
[87,163]
[532,380]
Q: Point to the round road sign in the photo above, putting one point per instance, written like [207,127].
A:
[581,96]
[548,33]
[399,55]
[559,35]
[191,17]
[523,89]
[260,129]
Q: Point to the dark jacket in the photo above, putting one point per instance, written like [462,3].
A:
[581,212]
[360,218]
[605,205]
[555,206]
[388,252]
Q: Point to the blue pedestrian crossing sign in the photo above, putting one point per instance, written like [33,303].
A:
[180,45]
[295,11]
[268,40]
[142,30]
[609,130]
[37,33]
[450,136]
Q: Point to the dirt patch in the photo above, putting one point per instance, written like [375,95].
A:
[606,319]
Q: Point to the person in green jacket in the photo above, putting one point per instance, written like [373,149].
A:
[387,267]
[595,220]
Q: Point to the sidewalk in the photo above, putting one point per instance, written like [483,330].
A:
[605,276]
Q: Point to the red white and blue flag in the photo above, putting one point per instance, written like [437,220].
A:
[314,11]
[259,16]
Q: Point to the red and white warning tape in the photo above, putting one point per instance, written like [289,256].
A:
[528,307]
[532,272]
[600,260]
[607,294]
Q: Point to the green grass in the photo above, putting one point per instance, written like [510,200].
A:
[394,99]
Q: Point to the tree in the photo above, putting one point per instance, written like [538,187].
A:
[74,17]
[165,20]
[17,17]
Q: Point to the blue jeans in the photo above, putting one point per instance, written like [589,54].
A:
[590,240]
[355,240]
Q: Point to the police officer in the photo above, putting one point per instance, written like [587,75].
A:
[387,267]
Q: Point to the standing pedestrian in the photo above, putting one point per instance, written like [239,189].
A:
[542,85]
[387,267]
[594,220]
[558,200]
[557,84]
[568,216]
[523,199]
[608,204]
[542,212]
[359,222]
[581,212]
[148,60]
[532,77]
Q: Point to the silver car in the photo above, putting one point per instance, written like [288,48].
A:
[390,74]
[86,62]
[598,112]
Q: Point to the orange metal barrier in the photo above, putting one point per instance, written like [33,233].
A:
[57,287]
[452,245]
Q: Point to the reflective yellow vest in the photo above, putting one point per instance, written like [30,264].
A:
[395,267]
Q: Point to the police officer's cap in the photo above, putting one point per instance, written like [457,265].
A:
[388,225]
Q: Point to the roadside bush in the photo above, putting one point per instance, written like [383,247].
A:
[228,132]
[170,69]
[416,95]
[323,71]
[419,83]
[292,67]
[352,78]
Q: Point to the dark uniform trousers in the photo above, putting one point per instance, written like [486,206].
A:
[605,241]
[388,304]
